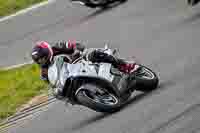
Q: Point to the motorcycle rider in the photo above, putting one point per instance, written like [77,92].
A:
[42,54]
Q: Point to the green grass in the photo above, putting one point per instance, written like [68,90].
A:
[17,86]
[11,6]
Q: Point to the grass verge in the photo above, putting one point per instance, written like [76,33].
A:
[17,87]
[8,7]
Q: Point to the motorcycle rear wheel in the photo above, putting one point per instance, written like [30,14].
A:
[146,79]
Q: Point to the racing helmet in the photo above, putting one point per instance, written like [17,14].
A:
[42,53]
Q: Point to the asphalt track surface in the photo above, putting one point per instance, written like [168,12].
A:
[162,34]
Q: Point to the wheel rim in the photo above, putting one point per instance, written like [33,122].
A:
[105,98]
[97,1]
[146,73]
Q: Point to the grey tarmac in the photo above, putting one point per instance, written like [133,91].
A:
[162,34]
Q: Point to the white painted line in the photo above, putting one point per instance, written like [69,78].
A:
[19,13]
[26,10]
[16,66]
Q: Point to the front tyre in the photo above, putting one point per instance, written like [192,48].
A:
[146,79]
[98,99]
[122,1]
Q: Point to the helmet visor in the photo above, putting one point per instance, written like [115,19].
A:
[42,61]
[39,60]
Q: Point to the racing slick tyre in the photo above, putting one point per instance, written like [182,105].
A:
[146,79]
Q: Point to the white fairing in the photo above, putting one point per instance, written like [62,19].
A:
[53,74]
[60,71]
[84,69]
[104,71]
[55,69]
[64,74]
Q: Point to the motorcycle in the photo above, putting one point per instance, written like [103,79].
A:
[99,86]
[95,3]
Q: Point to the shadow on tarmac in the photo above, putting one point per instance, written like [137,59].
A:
[132,101]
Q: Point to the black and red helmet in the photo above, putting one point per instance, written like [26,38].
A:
[42,53]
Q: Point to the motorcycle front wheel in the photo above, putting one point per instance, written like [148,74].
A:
[96,3]
[99,100]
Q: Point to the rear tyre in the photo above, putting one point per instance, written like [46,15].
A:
[122,1]
[146,79]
